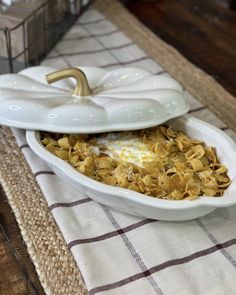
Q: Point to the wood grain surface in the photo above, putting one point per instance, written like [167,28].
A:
[203,31]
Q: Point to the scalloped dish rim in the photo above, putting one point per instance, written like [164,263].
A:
[115,192]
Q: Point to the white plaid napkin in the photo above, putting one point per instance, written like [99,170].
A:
[122,254]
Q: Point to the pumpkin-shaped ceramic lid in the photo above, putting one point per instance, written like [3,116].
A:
[88,99]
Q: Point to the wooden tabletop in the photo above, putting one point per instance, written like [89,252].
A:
[205,33]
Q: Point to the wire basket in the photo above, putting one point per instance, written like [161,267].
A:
[25,42]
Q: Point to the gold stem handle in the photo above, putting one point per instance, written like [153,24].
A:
[82,88]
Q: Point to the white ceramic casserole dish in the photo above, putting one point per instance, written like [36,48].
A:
[141,205]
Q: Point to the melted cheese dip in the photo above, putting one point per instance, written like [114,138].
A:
[126,148]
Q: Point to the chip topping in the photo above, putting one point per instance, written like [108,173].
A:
[158,162]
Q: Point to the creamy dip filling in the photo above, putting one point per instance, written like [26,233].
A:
[126,148]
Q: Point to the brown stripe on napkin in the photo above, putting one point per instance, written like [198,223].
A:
[90,37]
[90,22]
[43,173]
[224,128]
[94,51]
[160,72]
[23,146]
[125,63]
[71,204]
[110,234]
[197,109]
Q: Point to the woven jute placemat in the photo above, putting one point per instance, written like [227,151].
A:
[54,263]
